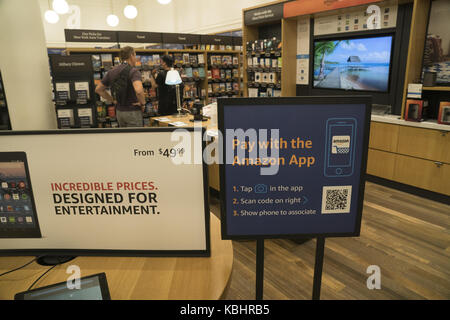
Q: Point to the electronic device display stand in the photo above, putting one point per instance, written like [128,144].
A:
[93,287]
[53,260]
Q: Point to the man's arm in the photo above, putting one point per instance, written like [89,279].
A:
[139,89]
[101,91]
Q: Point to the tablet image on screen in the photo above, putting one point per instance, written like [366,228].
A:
[93,287]
[18,218]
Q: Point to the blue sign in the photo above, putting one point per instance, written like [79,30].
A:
[293,166]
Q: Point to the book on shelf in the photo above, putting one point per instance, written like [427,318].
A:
[138,61]
[201,72]
[213,60]
[156,60]
[85,117]
[228,86]
[222,74]
[215,73]
[222,87]
[235,60]
[235,86]
[182,72]
[228,74]
[189,72]
[235,73]
[82,94]
[186,59]
[144,60]
[96,62]
[107,61]
[201,58]
[150,61]
[229,48]
[216,87]
[227,60]
[222,47]
[209,74]
[66,118]
[210,88]
[193,59]
[178,58]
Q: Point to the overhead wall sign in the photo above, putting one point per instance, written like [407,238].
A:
[296,169]
[71,64]
[180,38]
[77,35]
[267,14]
[139,37]
[304,7]
[110,192]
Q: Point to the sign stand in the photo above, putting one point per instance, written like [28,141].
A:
[318,267]
[259,269]
[320,249]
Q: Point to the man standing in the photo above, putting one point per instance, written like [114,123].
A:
[125,82]
[167,104]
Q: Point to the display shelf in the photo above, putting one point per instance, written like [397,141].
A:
[436,88]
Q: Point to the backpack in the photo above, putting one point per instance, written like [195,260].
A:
[119,87]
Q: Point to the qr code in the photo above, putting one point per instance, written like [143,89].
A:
[336,199]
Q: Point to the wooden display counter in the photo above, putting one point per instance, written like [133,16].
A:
[132,278]
[416,154]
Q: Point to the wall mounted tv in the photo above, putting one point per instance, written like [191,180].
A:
[361,63]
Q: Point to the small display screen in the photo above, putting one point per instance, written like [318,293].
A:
[90,288]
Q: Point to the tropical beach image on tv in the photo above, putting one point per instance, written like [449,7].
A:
[353,64]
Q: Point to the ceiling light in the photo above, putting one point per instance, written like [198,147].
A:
[130,12]
[164,1]
[51,16]
[60,6]
[112,20]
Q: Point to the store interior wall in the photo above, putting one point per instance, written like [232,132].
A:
[24,66]
[180,16]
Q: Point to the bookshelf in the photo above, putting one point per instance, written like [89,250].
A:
[223,74]
[187,61]
[269,56]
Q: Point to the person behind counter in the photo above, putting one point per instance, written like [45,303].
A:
[125,82]
[167,95]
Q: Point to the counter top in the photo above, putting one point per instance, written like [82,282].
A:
[394,119]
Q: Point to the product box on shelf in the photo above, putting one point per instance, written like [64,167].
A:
[444,112]
[416,110]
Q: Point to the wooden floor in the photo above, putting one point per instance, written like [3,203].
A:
[405,235]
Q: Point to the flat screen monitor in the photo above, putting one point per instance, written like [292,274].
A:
[361,64]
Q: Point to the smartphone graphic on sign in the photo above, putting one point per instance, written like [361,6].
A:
[18,217]
[340,147]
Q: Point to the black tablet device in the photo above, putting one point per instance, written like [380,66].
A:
[18,216]
[93,287]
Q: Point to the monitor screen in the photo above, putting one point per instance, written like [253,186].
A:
[353,64]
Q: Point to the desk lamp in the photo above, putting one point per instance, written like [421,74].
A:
[173,79]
